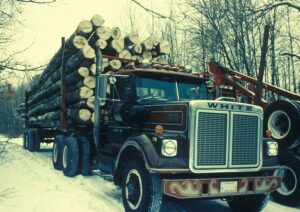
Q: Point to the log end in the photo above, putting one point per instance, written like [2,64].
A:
[97,20]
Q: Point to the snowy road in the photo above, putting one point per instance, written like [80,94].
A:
[28,183]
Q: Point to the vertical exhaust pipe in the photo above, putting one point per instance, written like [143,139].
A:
[100,96]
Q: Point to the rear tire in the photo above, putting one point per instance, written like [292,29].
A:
[37,139]
[283,119]
[57,152]
[249,203]
[289,192]
[141,190]
[84,155]
[30,141]
[25,140]
[70,157]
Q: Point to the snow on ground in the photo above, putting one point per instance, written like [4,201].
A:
[29,183]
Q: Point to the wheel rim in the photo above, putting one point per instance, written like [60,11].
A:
[280,124]
[65,157]
[289,180]
[133,189]
[55,152]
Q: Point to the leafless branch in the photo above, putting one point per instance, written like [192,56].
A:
[267,8]
[151,11]
[36,2]
[23,69]
[7,193]
[291,55]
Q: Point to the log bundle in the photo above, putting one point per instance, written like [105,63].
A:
[79,58]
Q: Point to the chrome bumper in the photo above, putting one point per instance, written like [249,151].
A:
[214,187]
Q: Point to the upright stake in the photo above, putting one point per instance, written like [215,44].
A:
[26,110]
[262,65]
[63,89]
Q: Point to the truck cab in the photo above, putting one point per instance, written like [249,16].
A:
[158,133]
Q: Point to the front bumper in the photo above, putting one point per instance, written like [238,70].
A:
[214,187]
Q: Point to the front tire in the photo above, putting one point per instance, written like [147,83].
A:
[70,157]
[140,189]
[248,203]
[289,192]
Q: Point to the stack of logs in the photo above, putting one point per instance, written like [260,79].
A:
[44,97]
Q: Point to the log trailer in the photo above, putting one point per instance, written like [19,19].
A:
[281,119]
[157,133]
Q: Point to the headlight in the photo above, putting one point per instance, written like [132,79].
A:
[169,148]
[272,148]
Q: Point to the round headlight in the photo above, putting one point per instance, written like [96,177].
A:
[169,147]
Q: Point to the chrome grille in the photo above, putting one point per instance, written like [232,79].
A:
[211,139]
[225,139]
[244,140]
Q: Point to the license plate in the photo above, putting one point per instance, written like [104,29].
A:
[228,186]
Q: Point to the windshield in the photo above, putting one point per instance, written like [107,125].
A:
[169,90]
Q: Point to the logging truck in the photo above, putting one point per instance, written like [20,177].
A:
[112,104]
[157,133]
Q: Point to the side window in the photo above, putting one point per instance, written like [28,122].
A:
[122,89]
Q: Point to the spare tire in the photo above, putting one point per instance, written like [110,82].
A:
[283,119]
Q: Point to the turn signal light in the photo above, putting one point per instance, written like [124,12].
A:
[159,129]
[269,133]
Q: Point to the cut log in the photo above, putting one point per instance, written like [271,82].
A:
[105,63]
[79,116]
[84,28]
[136,49]
[115,65]
[162,48]
[132,38]
[83,104]
[93,69]
[116,33]
[87,54]
[125,54]
[97,21]
[148,43]
[115,47]
[77,95]
[89,81]
[100,43]
[147,55]
[83,71]
[138,59]
[103,32]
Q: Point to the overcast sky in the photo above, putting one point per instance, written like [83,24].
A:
[46,24]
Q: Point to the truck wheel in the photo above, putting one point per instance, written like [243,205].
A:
[84,155]
[70,157]
[283,118]
[30,143]
[37,139]
[289,191]
[140,189]
[57,152]
[248,203]
[25,140]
